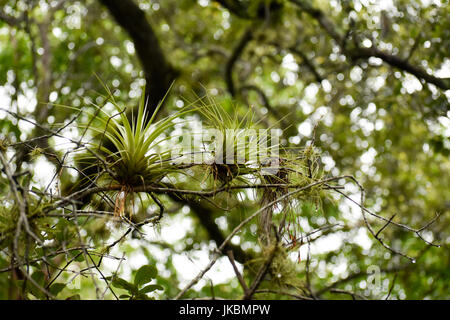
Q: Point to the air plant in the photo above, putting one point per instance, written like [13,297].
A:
[300,169]
[242,148]
[130,151]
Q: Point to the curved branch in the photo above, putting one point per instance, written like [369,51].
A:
[365,53]
[159,74]
[243,11]
[308,63]
[402,64]
[264,99]
[206,217]
[11,20]
[243,42]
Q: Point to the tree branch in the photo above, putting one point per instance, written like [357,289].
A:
[10,20]
[159,74]
[205,215]
[243,42]
[399,63]
[365,53]
[243,11]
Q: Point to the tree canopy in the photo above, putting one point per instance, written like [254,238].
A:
[343,105]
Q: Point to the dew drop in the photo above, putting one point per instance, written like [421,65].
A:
[413,260]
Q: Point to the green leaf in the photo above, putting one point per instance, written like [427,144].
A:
[78,255]
[74,297]
[56,288]
[151,288]
[141,296]
[123,284]
[144,275]
[39,278]
[124,296]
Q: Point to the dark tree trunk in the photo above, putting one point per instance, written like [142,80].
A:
[159,74]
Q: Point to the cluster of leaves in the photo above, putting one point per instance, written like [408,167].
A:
[140,288]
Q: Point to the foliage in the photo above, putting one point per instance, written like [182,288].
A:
[94,206]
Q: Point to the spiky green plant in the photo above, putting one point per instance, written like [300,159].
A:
[247,153]
[132,151]
[136,157]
